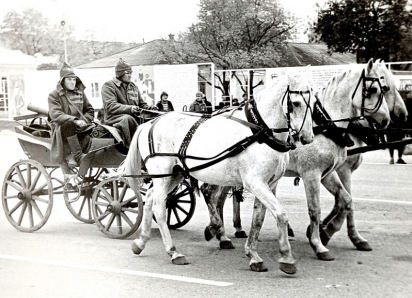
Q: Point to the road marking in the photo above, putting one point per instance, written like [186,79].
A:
[117,270]
[383,201]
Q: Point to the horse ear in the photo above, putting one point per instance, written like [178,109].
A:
[369,66]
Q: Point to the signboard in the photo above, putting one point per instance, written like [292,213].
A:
[179,81]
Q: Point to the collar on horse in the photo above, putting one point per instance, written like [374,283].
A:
[266,136]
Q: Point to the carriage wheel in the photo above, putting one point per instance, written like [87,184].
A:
[27,195]
[180,205]
[117,210]
[79,199]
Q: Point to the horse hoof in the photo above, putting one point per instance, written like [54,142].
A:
[241,234]
[181,260]
[288,268]
[363,246]
[208,233]
[226,244]
[258,267]
[136,250]
[325,256]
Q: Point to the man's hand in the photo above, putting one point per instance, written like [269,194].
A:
[80,123]
[135,109]
[153,108]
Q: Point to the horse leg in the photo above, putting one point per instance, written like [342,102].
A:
[146,226]
[162,187]
[333,184]
[312,189]
[209,194]
[256,263]
[353,233]
[237,222]
[215,197]
[269,200]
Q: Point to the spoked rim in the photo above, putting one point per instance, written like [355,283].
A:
[27,195]
[79,199]
[180,205]
[117,210]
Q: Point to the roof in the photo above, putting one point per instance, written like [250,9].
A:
[316,54]
[140,55]
[299,54]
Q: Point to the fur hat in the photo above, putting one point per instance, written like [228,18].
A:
[121,68]
[163,93]
[67,72]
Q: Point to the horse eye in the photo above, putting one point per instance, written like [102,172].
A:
[373,90]
[385,88]
[296,104]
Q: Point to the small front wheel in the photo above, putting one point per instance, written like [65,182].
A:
[117,210]
[27,195]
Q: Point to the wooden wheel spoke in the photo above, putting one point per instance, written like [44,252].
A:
[103,204]
[40,199]
[176,215]
[23,182]
[38,211]
[109,224]
[23,210]
[14,185]
[123,193]
[115,191]
[108,196]
[119,223]
[10,197]
[103,215]
[15,207]
[127,219]
[36,179]
[128,201]
[37,190]
[181,209]
[30,209]
[28,176]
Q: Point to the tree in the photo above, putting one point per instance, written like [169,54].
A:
[29,32]
[369,28]
[232,34]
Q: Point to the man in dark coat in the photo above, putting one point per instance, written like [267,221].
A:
[71,116]
[122,101]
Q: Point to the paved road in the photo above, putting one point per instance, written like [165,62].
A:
[67,258]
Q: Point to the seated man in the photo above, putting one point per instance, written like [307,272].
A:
[71,116]
[122,101]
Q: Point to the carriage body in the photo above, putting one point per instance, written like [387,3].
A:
[93,194]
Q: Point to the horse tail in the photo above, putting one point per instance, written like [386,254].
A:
[132,164]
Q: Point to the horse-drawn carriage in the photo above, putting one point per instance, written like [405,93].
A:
[91,195]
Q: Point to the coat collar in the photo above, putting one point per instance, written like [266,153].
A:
[118,83]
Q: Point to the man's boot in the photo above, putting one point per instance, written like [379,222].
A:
[75,158]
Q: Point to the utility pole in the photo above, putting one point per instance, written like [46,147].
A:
[63,23]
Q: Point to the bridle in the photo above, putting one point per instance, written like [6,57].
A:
[368,91]
[289,109]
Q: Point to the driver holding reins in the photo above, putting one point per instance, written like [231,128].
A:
[122,102]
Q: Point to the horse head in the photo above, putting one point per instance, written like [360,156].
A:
[396,104]
[297,104]
[368,97]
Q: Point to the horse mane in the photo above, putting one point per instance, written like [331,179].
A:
[332,84]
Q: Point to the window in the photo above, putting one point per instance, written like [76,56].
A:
[95,90]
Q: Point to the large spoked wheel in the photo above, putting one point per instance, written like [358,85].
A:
[117,210]
[27,195]
[78,197]
[180,205]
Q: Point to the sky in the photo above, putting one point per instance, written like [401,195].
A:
[130,20]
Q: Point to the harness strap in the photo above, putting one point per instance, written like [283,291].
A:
[150,136]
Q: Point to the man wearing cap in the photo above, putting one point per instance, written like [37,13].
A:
[71,116]
[122,101]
